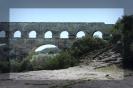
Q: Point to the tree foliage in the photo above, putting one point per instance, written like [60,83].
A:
[125,28]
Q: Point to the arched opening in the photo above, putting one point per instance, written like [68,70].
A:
[110,35]
[80,34]
[17,34]
[98,34]
[3,44]
[32,34]
[48,34]
[47,49]
[64,34]
[2,34]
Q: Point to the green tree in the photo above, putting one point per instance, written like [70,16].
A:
[125,27]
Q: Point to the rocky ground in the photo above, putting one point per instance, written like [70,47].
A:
[97,70]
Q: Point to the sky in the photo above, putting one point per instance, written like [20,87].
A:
[5,5]
[106,15]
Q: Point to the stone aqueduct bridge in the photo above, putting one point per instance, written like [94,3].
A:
[27,44]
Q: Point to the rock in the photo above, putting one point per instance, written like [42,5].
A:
[108,76]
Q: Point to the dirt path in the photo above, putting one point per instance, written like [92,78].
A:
[73,73]
[73,77]
[83,79]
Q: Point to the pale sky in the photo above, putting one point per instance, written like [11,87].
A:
[106,15]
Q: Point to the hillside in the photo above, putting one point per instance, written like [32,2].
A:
[104,66]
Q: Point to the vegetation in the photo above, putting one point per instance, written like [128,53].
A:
[66,58]
[4,66]
[61,61]
[4,59]
[124,27]
[87,44]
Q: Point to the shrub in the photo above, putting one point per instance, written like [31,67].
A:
[26,65]
[125,28]
[39,61]
[4,66]
[61,61]
[85,45]
[115,38]
[14,66]
[22,65]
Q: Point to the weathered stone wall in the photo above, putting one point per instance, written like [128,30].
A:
[57,28]
[27,44]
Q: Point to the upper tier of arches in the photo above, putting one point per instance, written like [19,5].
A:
[49,34]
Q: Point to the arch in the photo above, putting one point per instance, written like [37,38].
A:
[32,34]
[110,35]
[64,34]
[3,44]
[2,34]
[45,47]
[48,34]
[80,34]
[17,34]
[98,34]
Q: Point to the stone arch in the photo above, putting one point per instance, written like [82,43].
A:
[45,46]
[2,34]
[98,34]
[32,34]
[64,34]
[80,34]
[48,34]
[17,34]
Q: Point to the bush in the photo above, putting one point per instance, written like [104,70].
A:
[125,28]
[61,61]
[46,62]
[26,65]
[15,66]
[4,66]
[115,38]
[21,65]
[85,45]
[39,61]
